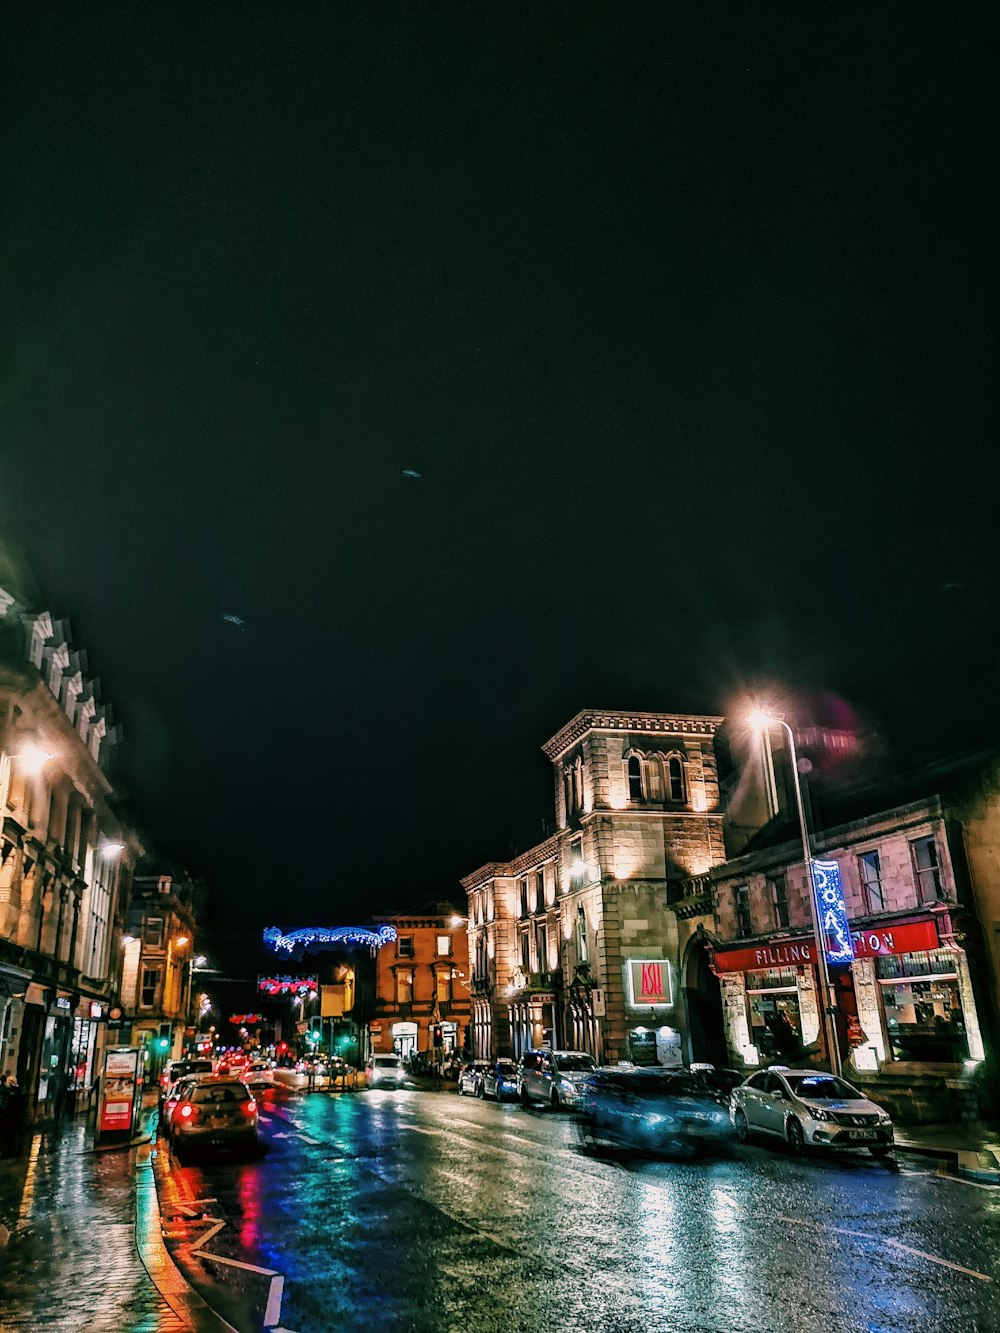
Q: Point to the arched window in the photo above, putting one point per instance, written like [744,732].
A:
[675,778]
[634,778]
[578,782]
[653,777]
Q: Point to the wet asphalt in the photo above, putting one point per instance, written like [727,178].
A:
[423,1211]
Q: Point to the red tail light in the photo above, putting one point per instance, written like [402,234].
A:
[188,1111]
[249,1109]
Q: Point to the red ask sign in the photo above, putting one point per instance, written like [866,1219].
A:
[649,983]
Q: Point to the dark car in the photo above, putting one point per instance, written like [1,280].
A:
[213,1112]
[651,1110]
[499,1080]
[180,1069]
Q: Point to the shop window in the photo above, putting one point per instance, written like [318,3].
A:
[150,985]
[741,899]
[923,1007]
[675,778]
[870,868]
[778,889]
[634,779]
[775,1021]
[927,870]
[152,931]
[404,946]
[404,986]
[443,946]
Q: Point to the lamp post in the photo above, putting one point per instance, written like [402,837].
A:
[762,720]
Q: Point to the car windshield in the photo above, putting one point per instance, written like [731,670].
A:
[822,1088]
[506,1068]
[571,1062]
[390,1061]
[190,1067]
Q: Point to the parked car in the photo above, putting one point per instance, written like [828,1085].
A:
[172,1098]
[553,1077]
[499,1080]
[179,1069]
[719,1082]
[470,1078]
[213,1112]
[651,1110]
[384,1071]
[809,1108]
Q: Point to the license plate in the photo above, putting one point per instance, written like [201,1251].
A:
[860,1134]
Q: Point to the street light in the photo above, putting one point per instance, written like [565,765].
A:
[32,759]
[761,720]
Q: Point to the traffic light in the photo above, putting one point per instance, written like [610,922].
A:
[436,1035]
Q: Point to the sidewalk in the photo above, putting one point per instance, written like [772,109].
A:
[973,1149]
[81,1249]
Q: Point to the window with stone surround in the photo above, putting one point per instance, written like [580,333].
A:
[581,935]
[675,778]
[525,944]
[540,891]
[150,985]
[777,887]
[542,946]
[404,985]
[523,907]
[443,946]
[443,987]
[404,946]
[741,901]
[870,870]
[927,869]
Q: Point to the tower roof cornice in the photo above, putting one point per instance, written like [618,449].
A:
[655,724]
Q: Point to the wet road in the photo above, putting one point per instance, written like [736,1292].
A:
[422,1211]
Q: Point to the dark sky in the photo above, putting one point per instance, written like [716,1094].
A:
[685,314]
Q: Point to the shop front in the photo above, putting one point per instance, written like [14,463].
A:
[904,1008]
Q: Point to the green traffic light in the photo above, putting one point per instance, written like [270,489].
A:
[163,1043]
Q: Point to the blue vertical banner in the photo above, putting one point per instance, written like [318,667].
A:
[831,909]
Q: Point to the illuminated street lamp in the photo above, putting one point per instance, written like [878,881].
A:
[110,850]
[761,720]
[32,759]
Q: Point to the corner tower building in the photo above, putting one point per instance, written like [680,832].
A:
[587,948]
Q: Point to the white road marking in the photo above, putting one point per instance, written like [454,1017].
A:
[944,1174]
[887,1240]
[273,1311]
[239,1263]
[314,1143]
[213,1230]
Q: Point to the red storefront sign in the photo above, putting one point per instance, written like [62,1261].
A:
[907,937]
[910,937]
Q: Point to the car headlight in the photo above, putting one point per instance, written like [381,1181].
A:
[884,1119]
[818,1113]
[566,1086]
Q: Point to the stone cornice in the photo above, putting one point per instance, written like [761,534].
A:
[654,724]
[531,859]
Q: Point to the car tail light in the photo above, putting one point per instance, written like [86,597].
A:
[189,1112]
[249,1108]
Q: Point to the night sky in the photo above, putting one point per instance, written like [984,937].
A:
[685,315]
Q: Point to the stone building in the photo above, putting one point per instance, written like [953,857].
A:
[914,1011]
[159,948]
[584,941]
[421,982]
[66,862]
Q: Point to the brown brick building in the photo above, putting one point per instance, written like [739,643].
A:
[422,981]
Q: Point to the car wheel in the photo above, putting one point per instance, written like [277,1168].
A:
[796,1139]
[461,1088]
[587,1129]
[880,1150]
[742,1126]
[554,1101]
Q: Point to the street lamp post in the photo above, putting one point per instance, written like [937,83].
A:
[761,720]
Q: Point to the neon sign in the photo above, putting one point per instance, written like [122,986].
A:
[316,939]
[832,910]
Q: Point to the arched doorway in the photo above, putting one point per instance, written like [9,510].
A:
[703,998]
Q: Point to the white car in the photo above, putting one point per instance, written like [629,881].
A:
[809,1108]
[258,1075]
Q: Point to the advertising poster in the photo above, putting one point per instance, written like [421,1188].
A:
[118,1090]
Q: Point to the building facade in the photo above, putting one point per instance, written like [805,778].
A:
[582,940]
[909,1010]
[421,983]
[159,949]
[66,864]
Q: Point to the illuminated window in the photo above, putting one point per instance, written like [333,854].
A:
[777,887]
[927,869]
[675,778]
[150,985]
[404,946]
[870,868]
[404,986]
[444,988]
[634,779]
[578,869]
[741,900]
[443,946]
[581,935]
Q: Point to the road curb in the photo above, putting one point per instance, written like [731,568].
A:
[965,1163]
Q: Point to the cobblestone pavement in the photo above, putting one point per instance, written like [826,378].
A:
[70,1258]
